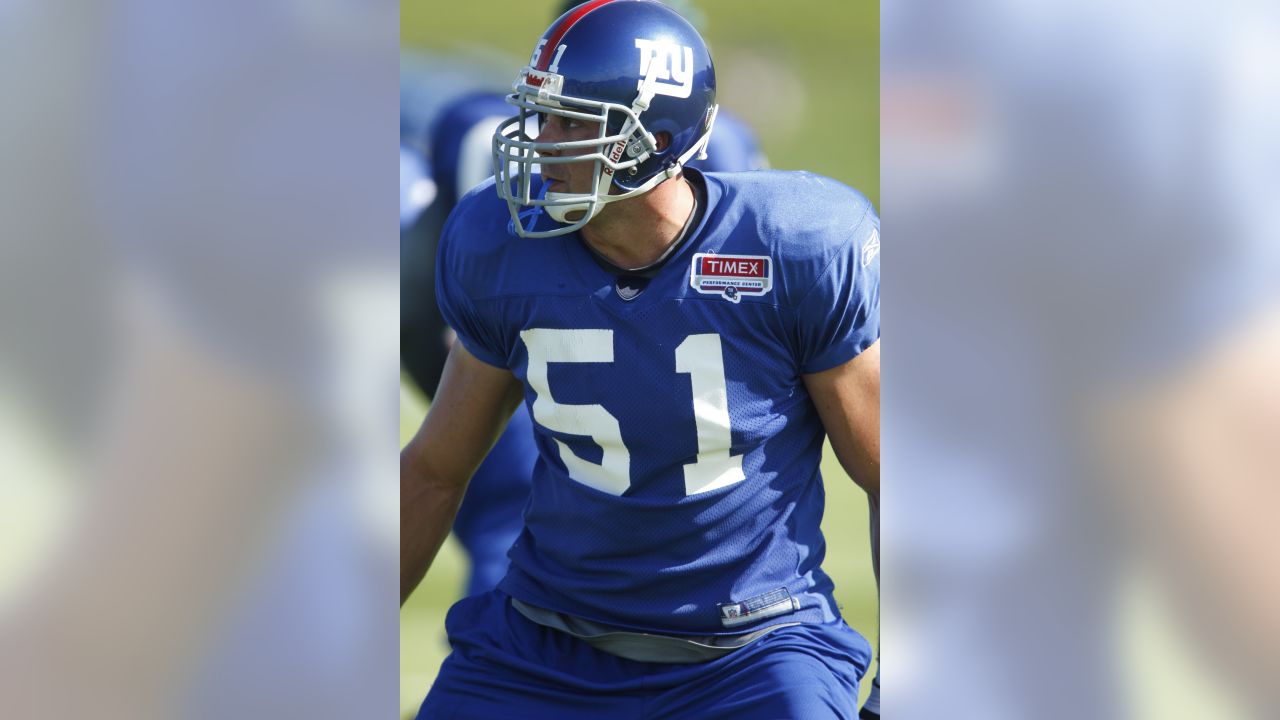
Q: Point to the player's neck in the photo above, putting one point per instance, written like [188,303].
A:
[635,233]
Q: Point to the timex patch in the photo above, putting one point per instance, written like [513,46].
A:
[731,275]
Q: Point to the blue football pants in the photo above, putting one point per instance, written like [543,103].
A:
[504,666]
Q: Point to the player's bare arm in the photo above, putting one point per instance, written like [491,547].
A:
[848,400]
[471,406]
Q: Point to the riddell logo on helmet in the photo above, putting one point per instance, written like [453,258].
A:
[618,147]
[664,60]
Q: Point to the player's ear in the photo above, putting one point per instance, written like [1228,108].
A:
[663,139]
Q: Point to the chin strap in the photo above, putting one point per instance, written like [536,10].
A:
[699,148]
[706,136]
[529,216]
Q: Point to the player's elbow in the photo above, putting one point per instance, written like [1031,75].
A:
[423,473]
[869,484]
[864,470]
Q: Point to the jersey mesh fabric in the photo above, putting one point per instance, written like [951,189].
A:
[655,557]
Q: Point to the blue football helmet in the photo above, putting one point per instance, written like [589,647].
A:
[637,69]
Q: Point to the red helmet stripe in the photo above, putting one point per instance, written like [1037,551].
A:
[557,34]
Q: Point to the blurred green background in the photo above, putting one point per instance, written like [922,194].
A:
[805,76]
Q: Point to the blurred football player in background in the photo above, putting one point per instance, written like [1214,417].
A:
[417,187]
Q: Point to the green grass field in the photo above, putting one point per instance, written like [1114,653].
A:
[805,76]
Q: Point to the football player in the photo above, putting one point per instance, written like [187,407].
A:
[460,145]
[417,189]
[683,341]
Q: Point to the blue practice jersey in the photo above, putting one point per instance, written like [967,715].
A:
[677,487]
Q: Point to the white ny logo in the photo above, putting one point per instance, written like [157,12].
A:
[662,60]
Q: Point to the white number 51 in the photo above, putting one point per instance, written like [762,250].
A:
[699,356]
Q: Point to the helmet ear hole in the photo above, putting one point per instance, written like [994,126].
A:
[663,139]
